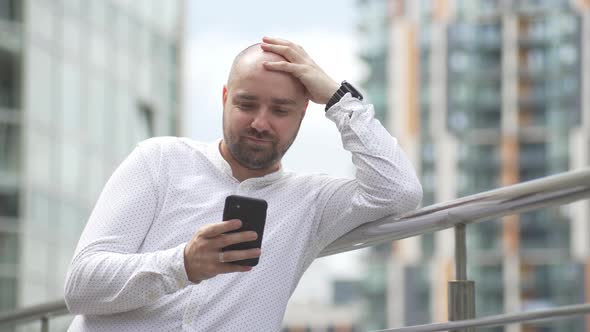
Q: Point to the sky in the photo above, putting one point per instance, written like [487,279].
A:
[216,31]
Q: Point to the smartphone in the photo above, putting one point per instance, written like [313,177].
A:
[252,213]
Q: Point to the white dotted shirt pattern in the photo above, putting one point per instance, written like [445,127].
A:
[128,274]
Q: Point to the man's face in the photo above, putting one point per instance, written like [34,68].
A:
[262,114]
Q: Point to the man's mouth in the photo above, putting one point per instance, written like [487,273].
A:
[258,140]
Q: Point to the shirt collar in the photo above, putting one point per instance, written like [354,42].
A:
[214,154]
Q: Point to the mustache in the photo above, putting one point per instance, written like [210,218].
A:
[264,135]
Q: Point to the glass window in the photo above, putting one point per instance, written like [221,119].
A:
[70,97]
[10,148]
[489,290]
[8,289]
[417,295]
[549,285]
[144,78]
[71,37]
[173,122]
[134,31]
[97,51]
[9,204]
[97,179]
[41,19]
[36,260]
[123,65]
[123,30]
[9,248]
[167,14]
[97,109]
[484,236]
[97,12]
[74,7]
[70,221]
[40,85]
[544,229]
[123,135]
[10,10]
[346,291]
[427,242]
[9,82]
[111,117]
[144,122]
[533,152]
[70,166]
[172,105]
[42,158]
[145,43]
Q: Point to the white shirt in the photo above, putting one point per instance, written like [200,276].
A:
[128,272]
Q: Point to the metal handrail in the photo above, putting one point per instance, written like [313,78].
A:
[499,320]
[33,313]
[549,191]
[544,192]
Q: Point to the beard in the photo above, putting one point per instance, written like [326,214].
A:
[252,155]
[255,156]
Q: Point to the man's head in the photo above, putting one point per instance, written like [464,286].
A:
[262,110]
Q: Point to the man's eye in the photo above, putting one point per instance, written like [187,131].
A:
[246,106]
[281,111]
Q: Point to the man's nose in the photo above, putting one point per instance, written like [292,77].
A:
[261,122]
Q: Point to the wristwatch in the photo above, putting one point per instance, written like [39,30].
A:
[345,87]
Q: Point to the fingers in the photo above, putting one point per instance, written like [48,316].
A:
[214,230]
[233,238]
[238,255]
[279,41]
[288,52]
[274,40]
[282,66]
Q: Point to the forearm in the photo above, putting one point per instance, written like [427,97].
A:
[109,273]
[102,282]
[385,182]
[384,175]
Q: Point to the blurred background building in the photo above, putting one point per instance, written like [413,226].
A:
[480,93]
[80,83]
[484,93]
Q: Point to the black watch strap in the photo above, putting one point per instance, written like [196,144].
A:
[345,88]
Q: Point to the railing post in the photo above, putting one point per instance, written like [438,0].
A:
[45,324]
[461,290]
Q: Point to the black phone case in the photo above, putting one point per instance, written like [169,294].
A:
[252,213]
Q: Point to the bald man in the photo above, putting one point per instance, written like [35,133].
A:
[150,257]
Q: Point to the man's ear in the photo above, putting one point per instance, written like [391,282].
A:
[224,95]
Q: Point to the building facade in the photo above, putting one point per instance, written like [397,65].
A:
[81,82]
[485,94]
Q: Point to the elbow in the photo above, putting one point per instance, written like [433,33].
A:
[72,296]
[415,194]
[405,197]
[77,293]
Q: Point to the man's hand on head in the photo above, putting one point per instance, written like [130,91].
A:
[319,85]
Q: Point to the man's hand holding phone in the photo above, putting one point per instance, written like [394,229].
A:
[203,252]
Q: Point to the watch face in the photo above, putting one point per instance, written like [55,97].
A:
[353,91]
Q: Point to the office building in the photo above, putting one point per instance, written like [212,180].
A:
[80,83]
[485,94]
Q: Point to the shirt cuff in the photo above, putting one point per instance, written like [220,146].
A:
[175,272]
[346,106]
